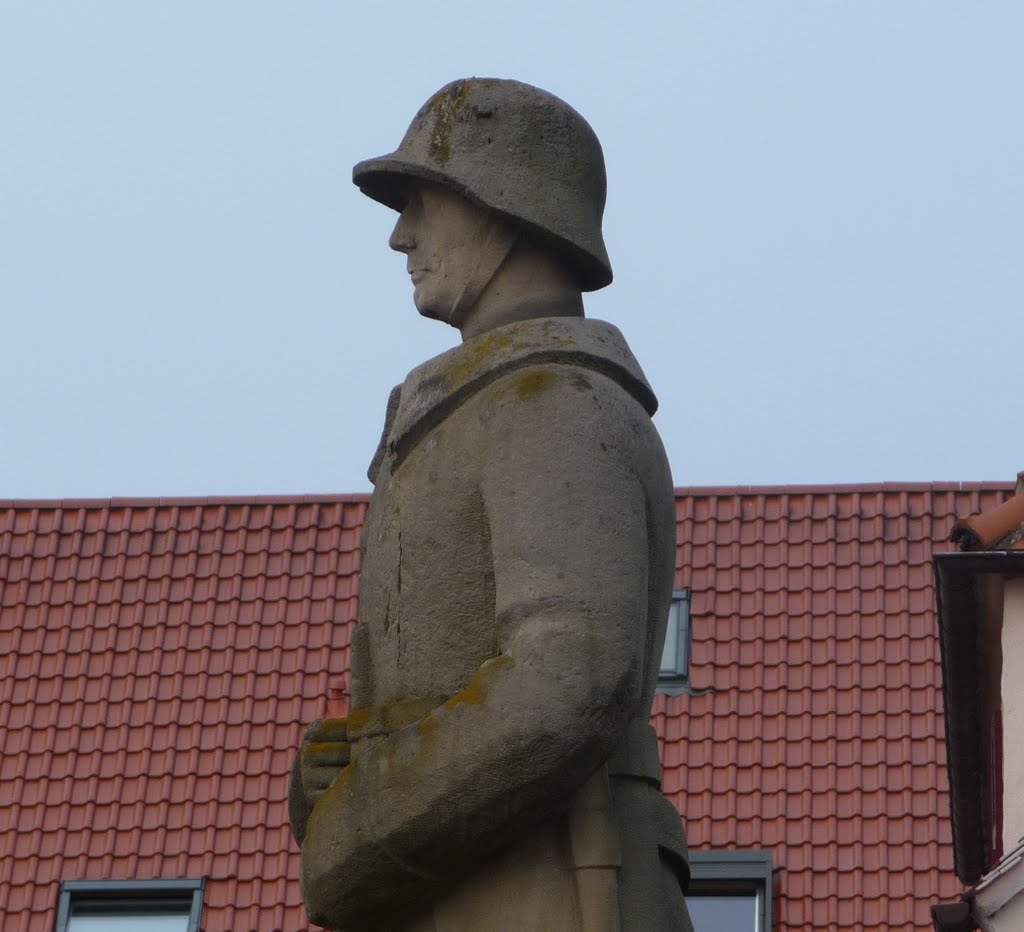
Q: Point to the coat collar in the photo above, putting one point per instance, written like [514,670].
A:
[436,388]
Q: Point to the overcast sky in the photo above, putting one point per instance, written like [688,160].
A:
[815,217]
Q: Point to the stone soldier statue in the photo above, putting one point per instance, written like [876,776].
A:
[498,770]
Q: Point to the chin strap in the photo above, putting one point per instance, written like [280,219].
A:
[494,250]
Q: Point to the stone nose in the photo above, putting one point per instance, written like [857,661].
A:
[401,239]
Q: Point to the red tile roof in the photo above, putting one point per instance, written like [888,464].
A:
[157,659]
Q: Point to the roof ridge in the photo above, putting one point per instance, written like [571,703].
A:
[845,488]
[363,497]
[184,501]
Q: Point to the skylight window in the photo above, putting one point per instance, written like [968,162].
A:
[730,891]
[675,657]
[130,906]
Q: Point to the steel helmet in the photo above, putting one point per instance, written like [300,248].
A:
[514,149]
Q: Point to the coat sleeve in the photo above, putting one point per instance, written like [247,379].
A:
[563,484]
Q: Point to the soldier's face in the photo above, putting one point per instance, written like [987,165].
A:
[441,235]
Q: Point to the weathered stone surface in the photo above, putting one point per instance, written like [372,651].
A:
[498,770]
[514,149]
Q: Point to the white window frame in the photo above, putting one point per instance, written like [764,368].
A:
[743,873]
[131,895]
[676,679]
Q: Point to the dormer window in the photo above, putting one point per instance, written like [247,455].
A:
[675,657]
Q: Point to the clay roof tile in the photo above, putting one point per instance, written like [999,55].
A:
[999,528]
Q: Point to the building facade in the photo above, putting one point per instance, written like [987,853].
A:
[980,589]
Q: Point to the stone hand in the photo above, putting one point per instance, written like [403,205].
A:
[323,754]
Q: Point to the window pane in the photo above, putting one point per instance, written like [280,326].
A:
[669,654]
[129,920]
[724,913]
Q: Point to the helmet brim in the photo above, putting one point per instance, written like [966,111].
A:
[388,180]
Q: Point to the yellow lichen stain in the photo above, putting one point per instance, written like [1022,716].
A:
[477,354]
[323,748]
[474,357]
[534,382]
[388,718]
[359,719]
[445,105]
[428,726]
[477,689]
[475,693]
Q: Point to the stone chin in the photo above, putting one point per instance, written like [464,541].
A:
[427,308]
[428,304]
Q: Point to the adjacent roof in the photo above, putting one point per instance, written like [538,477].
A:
[999,528]
[158,658]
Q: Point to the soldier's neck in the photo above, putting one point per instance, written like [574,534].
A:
[529,284]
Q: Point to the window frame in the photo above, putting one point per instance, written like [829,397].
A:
[715,873]
[131,894]
[677,680]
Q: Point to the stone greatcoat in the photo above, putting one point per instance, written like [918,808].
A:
[517,569]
